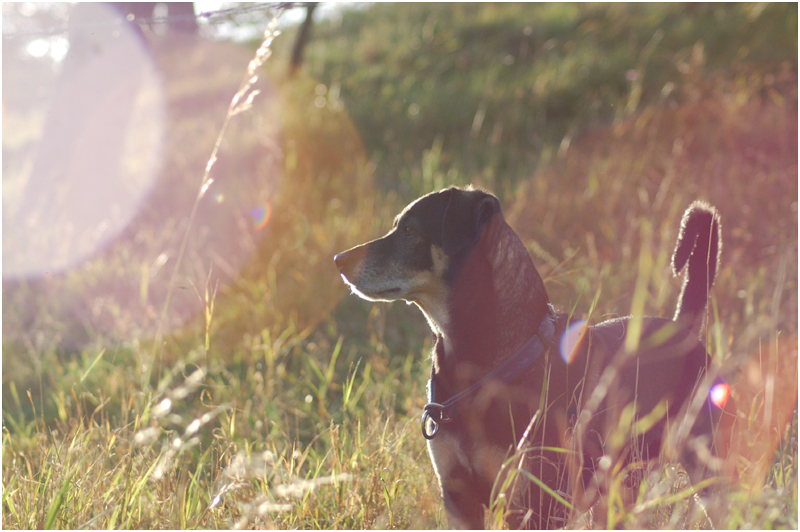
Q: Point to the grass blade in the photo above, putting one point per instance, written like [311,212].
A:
[52,512]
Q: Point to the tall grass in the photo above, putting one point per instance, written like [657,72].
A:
[281,401]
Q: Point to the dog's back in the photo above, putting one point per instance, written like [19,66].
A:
[621,405]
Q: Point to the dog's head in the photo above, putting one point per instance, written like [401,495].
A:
[453,254]
[422,253]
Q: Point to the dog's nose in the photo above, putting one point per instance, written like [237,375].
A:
[340,259]
[349,262]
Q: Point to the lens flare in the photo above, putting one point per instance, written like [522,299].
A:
[102,149]
[261,216]
[570,339]
[719,394]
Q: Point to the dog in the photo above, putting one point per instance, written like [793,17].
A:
[499,383]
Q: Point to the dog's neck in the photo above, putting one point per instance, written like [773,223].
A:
[495,305]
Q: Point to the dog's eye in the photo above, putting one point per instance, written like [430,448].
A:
[408,231]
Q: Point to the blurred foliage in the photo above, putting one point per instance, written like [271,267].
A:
[733,143]
[497,85]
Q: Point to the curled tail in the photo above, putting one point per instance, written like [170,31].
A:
[699,243]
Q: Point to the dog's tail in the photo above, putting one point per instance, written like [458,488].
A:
[699,243]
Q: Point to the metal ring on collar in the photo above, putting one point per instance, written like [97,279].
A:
[433,412]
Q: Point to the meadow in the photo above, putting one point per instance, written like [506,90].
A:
[208,368]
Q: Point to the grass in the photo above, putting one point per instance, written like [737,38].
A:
[275,399]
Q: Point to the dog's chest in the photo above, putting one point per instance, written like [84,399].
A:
[457,456]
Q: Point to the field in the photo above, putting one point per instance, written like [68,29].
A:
[207,368]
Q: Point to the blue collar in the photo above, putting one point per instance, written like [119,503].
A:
[510,369]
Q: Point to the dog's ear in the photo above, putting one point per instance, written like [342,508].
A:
[466,213]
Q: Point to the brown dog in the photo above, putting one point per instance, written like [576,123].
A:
[498,383]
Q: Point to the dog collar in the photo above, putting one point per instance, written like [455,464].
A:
[435,413]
